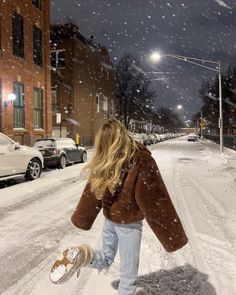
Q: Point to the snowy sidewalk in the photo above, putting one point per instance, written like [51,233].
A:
[35,226]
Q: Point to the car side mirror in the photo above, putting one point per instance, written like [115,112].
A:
[17,146]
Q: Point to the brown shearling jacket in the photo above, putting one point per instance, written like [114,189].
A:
[142,194]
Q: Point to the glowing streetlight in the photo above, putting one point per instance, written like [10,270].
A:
[155,57]
[216,67]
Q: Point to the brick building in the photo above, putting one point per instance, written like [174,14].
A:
[25,75]
[83,83]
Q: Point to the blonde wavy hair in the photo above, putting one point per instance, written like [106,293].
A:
[114,150]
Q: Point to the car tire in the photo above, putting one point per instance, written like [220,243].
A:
[34,169]
[62,162]
[84,157]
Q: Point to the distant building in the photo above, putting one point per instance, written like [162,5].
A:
[25,82]
[83,84]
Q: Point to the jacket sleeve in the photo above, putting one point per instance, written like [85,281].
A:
[86,210]
[155,203]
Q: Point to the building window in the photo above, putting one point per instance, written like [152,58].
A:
[19,105]
[0,105]
[97,103]
[37,3]
[58,58]
[38,108]
[105,107]
[17,35]
[112,112]
[54,100]
[37,46]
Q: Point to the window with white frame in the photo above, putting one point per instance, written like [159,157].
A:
[54,100]
[97,103]
[105,107]
[112,108]
[19,105]
[58,59]
[38,108]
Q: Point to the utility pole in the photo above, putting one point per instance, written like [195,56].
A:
[220,110]
[201,125]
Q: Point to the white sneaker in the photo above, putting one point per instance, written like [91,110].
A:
[71,261]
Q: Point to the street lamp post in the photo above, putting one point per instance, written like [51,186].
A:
[155,57]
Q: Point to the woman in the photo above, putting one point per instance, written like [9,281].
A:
[125,182]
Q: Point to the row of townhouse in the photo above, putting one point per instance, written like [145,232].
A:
[83,83]
[43,76]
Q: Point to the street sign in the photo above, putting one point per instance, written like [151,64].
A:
[58,118]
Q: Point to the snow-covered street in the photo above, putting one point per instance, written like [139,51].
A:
[35,226]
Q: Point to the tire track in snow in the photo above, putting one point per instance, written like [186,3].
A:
[38,197]
[191,229]
[26,252]
[187,184]
[42,241]
[15,264]
[35,279]
[216,209]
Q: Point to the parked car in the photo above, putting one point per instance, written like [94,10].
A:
[153,138]
[146,139]
[158,137]
[192,137]
[17,160]
[163,137]
[138,137]
[60,152]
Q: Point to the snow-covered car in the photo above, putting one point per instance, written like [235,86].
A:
[158,137]
[153,138]
[138,137]
[163,137]
[192,137]
[60,152]
[17,160]
[146,139]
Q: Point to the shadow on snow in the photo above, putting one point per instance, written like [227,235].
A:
[182,280]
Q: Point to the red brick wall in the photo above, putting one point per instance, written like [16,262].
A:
[13,69]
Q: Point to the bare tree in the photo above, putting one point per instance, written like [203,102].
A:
[133,89]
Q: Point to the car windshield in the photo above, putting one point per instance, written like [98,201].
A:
[4,140]
[45,143]
[65,143]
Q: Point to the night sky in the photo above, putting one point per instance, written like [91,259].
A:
[203,29]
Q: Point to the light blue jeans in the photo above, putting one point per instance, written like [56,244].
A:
[126,237]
